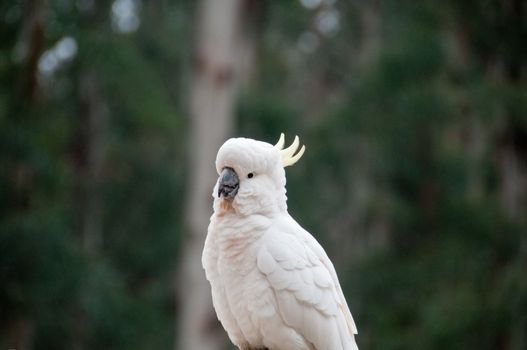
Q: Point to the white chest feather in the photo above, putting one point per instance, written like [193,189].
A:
[241,295]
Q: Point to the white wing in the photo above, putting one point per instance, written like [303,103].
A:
[312,243]
[308,298]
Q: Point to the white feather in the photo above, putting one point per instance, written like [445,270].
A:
[273,285]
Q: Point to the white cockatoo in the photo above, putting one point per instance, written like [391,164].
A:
[273,285]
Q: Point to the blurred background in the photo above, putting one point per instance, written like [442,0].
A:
[414,114]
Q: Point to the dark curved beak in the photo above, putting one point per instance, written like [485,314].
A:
[228,183]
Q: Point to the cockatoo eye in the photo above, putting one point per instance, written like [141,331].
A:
[250,175]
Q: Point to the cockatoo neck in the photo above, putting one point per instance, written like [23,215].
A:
[268,206]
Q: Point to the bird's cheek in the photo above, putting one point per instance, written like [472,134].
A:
[246,189]
[247,192]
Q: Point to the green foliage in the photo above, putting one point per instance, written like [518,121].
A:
[118,293]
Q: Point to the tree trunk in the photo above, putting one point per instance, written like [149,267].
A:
[88,157]
[221,58]
[19,334]
[19,328]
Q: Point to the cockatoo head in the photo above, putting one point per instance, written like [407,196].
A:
[252,176]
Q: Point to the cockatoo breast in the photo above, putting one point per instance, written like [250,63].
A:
[240,292]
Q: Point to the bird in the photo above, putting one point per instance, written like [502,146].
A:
[273,286]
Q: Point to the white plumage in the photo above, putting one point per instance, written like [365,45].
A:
[273,285]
